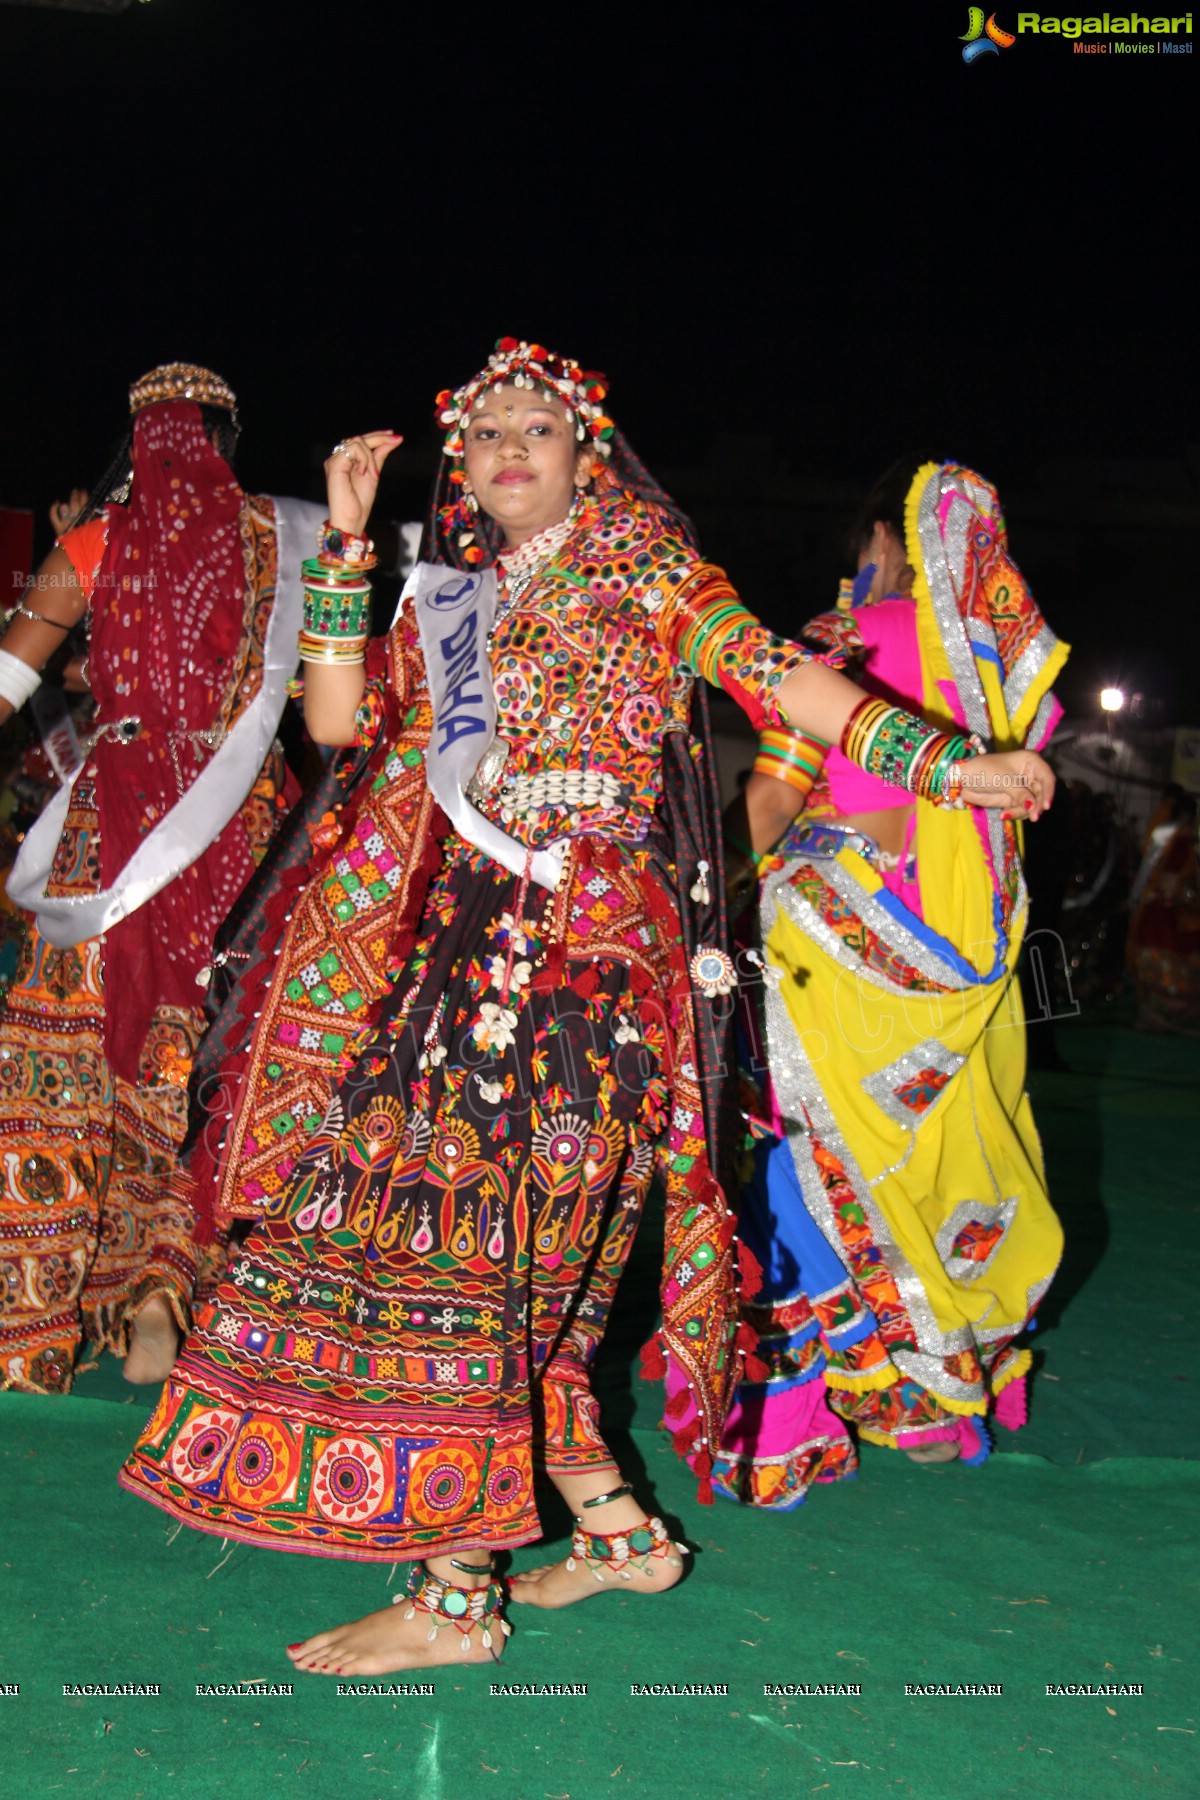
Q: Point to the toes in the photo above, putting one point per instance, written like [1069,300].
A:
[315,1654]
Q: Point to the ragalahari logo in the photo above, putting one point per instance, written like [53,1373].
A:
[982,39]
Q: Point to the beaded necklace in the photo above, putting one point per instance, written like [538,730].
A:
[521,567]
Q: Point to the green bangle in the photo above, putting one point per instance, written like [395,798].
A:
[323,574]
[342,614]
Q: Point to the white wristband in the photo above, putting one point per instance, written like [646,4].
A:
[17,680]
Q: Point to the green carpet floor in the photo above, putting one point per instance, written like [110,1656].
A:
[1064,1560]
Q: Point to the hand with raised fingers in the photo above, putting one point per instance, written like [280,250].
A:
[352,471]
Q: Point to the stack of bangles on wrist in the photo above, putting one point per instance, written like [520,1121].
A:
[904,751]
[337,599]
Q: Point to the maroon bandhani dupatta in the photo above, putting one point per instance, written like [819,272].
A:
[167,625]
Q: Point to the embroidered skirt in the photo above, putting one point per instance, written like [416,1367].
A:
[902,1217]
[420,1306]
[88,1231]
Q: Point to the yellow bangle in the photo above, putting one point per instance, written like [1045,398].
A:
[312,648]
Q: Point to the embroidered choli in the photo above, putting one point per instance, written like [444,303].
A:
[594,665]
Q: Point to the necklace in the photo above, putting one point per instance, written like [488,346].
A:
[522,566]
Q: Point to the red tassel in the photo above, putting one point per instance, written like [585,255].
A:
[641,982]
[550,975]
[654,1363]
[746,1340]
[707,1192]
[685,1437]
[751,1270]
[605,856]
[704,1492]
[586,982]
[678,1404]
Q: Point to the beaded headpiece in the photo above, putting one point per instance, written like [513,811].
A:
[181,381]
[516,363]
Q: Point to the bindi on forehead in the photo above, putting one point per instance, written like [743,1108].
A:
[511,397]
[509,409]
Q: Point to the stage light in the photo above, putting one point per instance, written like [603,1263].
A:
[1111,699]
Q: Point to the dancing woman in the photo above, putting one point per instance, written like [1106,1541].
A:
[900,1209]
[483,1020]
[191,591]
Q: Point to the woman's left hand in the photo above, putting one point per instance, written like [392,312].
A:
[352,471]
[1018,781]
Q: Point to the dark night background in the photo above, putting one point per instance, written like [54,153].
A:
[801,241]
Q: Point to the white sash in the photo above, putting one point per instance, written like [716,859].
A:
[454,614]
[196,820]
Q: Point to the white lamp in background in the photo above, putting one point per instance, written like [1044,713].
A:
[1112,699]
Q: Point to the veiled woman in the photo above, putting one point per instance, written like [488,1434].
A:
[190,590]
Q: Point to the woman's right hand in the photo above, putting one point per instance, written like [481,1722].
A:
[1019,782]
[352,472]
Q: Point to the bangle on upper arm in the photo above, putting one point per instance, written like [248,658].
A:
[17,680]
[39,618]
[794,757]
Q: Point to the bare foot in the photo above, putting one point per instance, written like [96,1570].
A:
[554,1584]
[153,1342]
[943,1451]
[386,1640]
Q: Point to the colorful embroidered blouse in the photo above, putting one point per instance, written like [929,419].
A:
[594,664]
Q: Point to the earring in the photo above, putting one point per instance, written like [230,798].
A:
[469,500]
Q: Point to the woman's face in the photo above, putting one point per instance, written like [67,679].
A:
[523,461]
[894,574]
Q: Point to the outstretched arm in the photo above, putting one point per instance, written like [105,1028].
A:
[702,621]
[819,701]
